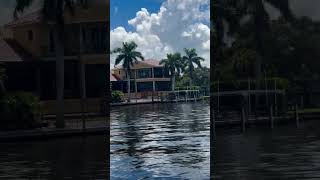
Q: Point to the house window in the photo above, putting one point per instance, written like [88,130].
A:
[51,42]
[84,41]
[94,39]
[158,72]
[132,74]
[104,39]
[30,35]
[144,73]
[144,86]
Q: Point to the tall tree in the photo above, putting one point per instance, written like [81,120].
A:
[259,15]
[173,64]
[53,13]
[128,55]
[226,17]
[232,12]
[190,59]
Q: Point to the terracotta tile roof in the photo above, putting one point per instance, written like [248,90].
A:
[151,62]
[31,18]
[112,78]
[10,51]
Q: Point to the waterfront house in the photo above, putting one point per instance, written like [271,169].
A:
[28,55]
[147,77]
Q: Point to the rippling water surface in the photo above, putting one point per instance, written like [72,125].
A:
[286,152]
[69,158]
[160,141]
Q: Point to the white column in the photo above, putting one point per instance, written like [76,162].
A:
[135,83]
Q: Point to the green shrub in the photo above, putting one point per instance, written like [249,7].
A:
[19,110]
[117,96]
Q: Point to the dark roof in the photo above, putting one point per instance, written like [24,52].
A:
[31,18]
[11,51]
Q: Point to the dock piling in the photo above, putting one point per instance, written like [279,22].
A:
[296,115]
[243,119]
[271,116]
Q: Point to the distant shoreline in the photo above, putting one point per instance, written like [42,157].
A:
[133,102]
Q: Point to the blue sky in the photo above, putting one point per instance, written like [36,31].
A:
[160,27]
[123,10]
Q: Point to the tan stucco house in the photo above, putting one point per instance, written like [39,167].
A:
[27,51]
[146,76]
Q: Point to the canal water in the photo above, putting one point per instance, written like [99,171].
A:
[286,152]
[165,141]
[69,158]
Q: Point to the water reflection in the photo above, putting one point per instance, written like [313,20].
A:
[76,158]
[283,153]
[160,141]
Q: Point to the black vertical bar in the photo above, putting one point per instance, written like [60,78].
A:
[108,93]
[212,120]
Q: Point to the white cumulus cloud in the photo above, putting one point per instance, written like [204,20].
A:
[178,24]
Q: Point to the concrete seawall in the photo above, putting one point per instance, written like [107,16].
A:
[265,121]
[149,101]
[44,134]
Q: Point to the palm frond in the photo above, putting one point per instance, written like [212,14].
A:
[116,50]
[283,7]
[127,54]
[119,59]
[21,5]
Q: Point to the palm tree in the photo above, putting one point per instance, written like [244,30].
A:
[190,59]
[173,64]
[257,11]
[232,11]
[128,55]
[224,13]
[52,11]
